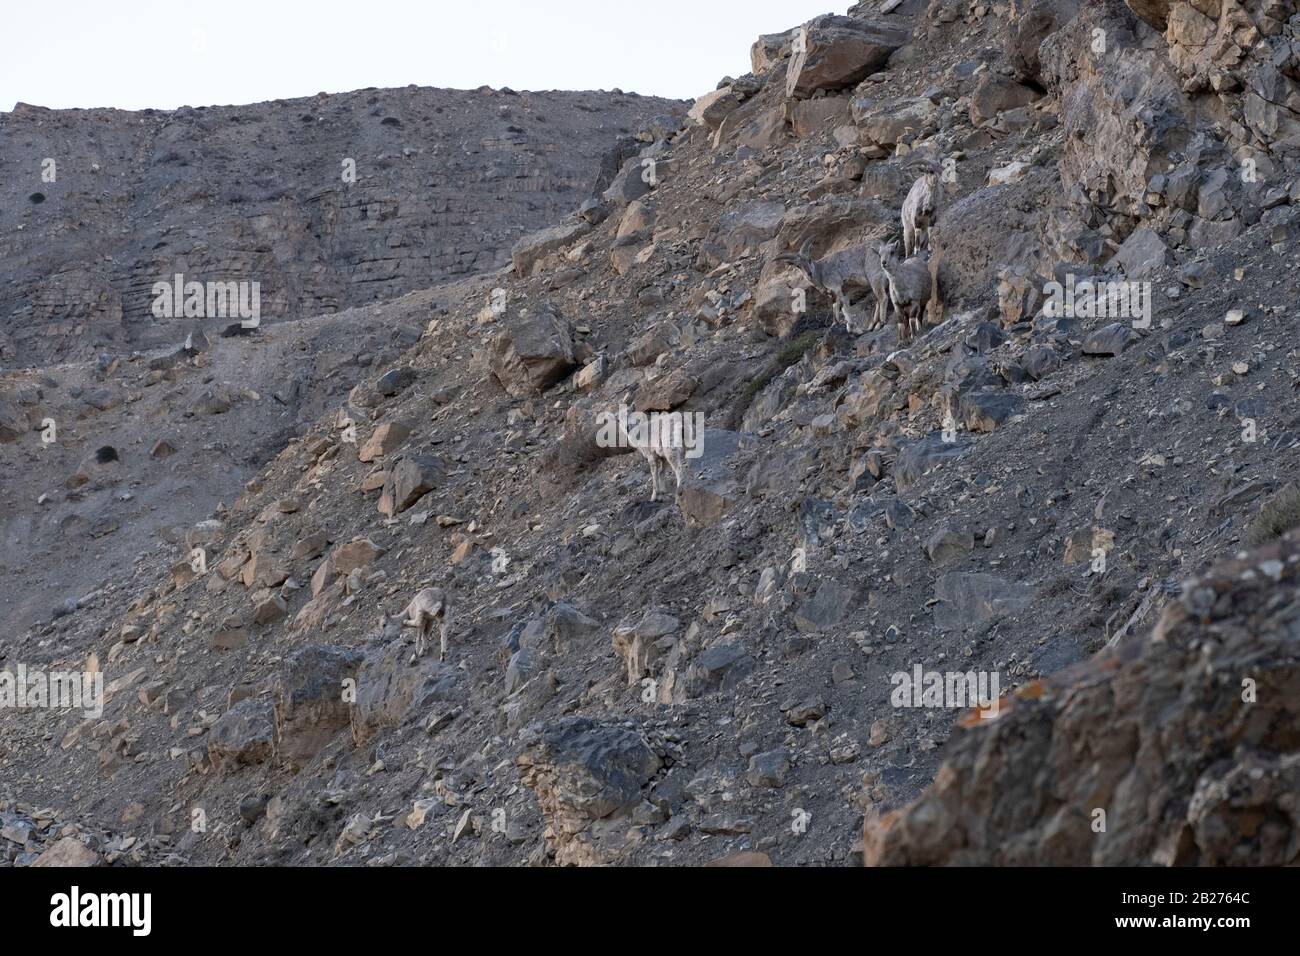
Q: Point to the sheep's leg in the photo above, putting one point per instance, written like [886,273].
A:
[909,238]
[655,468]
[898,313]
[864,317]
[443,628]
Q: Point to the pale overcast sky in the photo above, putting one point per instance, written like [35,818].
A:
[134,54]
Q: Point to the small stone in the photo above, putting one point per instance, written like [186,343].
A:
[769,769]
[68,851]
[229,639]
[880,733]
[806,712]
[252,807]
[383,440]
[720,825]
[678,828]
[743,858]
[269,608]
[947,543]
[420,810]
[843,749]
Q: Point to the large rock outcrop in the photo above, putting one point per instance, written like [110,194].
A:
[588,777]
[833,52]
[1177,749]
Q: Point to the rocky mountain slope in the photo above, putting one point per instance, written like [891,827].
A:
[328,202]
[1017,494]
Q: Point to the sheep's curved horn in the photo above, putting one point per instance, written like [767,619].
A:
[924,161]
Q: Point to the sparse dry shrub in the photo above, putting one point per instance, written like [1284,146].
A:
[1276,517]
[792,352]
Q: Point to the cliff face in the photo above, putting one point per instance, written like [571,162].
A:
[327,202]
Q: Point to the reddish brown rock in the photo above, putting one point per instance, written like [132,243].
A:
[384,440]
[1177,748]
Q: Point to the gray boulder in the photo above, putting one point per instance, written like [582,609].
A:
[245,734]
[835,52]
[533,353]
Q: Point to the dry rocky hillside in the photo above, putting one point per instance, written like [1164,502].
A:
[328,202]
[1093,511]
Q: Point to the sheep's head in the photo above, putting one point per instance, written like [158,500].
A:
[795,258]
[926,164]
[888,252]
